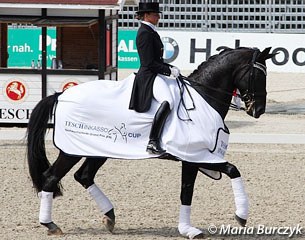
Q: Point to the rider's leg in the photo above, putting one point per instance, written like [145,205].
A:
[153,145]
[162,94]
[189,174]
[85,176]
[53,175]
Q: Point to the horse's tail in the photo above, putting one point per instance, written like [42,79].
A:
[36,131]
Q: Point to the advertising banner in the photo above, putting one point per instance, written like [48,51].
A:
[128,57]
[183,49]
[24,46]
[19,94]
[187,50]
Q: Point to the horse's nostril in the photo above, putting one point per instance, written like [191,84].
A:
[258,112]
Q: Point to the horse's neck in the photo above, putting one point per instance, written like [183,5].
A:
[215,88]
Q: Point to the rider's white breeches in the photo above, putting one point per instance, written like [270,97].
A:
[161,91]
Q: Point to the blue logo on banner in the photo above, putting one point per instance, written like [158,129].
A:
[171,49]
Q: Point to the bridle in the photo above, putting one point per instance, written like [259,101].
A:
[248,97]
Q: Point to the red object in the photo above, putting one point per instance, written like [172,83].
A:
[235,92]
[108,46]
[16,90]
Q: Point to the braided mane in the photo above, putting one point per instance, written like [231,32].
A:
[204,64]
[213,59]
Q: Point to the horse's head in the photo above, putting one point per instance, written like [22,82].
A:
[250,79]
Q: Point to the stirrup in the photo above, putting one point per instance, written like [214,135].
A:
[153,147]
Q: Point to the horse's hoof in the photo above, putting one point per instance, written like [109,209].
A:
[109,223]
[242,222]
[199,236]
[55,232]
[190,232]
[53,229]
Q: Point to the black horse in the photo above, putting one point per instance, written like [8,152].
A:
[215,80]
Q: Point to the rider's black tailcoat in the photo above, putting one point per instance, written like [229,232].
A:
[150,50]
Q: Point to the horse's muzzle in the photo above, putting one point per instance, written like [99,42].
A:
[255,110]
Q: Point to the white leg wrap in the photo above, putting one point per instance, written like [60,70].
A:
[45,213]
[100,198]
[185,228]
[241,198]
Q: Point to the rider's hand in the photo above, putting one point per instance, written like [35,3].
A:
[175,72]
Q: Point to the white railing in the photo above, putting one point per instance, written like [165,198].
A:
[265,16]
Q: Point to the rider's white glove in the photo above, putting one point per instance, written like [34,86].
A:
[175,72]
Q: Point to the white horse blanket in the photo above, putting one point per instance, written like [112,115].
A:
[93,119]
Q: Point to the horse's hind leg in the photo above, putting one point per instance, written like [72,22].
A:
[189,174]
[85,176]
[53,175]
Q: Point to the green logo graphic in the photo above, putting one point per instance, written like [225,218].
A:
[128,57]
[24,45]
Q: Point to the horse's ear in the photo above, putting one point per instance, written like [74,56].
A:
[264,55]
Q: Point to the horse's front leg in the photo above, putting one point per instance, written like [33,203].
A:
[189,174]
[240,195]
[52,176]
[85,176]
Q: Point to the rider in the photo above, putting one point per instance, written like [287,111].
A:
[148,81]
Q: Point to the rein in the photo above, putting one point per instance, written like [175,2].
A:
[193,83]
[184,85]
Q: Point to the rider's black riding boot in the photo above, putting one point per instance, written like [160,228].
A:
[157,128]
